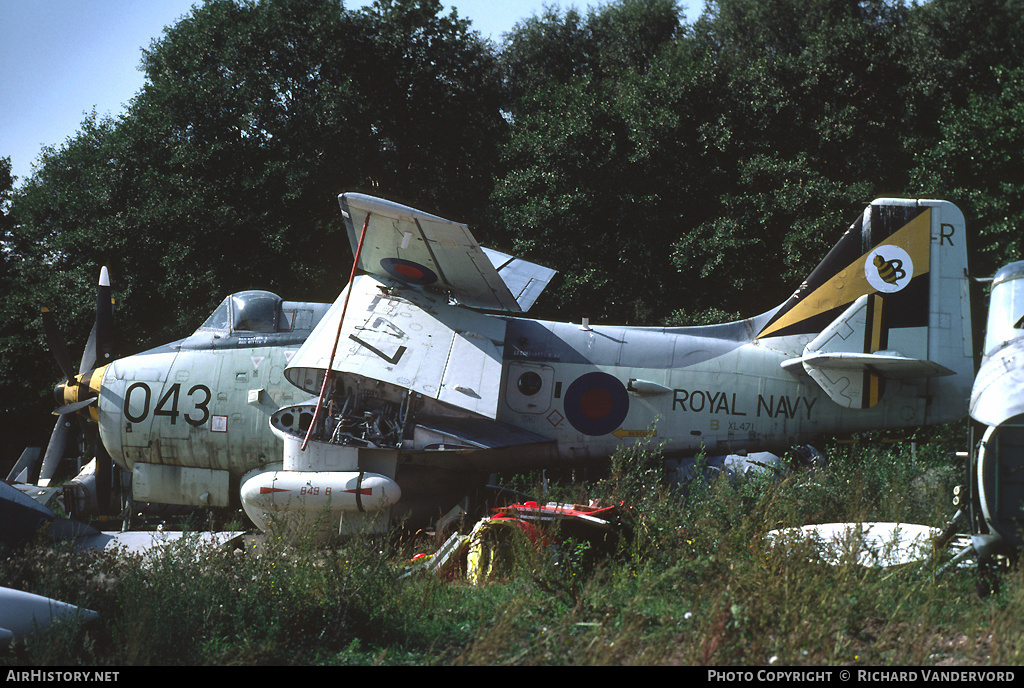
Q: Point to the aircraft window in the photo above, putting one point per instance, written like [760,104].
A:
[219,320]
[254,311]
[529,383]
[295,319]
[287,323]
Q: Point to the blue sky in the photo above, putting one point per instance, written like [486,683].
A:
[61,59]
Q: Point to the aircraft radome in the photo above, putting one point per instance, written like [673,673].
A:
[423,377]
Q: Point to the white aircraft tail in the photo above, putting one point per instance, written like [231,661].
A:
[890,301]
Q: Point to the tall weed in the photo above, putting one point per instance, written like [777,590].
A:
[692,579]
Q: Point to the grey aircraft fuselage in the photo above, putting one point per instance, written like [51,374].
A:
[430,389]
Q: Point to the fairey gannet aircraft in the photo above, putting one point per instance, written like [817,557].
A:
[423,378]
[427,378]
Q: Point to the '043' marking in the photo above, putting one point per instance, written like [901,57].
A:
[197,404]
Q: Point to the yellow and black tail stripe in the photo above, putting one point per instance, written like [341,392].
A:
[842,278]
[876,338]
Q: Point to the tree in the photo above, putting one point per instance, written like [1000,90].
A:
[224,171]
[432,86]
[581,186]
[970,130]
[806,124]
[976,164]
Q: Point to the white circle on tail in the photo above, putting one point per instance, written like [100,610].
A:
[888,268]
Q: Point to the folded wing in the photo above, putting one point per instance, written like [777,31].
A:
[424,250]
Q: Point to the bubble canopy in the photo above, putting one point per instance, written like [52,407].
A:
[245,311]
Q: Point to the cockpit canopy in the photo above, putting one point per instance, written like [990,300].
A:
[1006,307]
[246,311]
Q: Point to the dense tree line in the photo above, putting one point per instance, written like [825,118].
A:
[672,169]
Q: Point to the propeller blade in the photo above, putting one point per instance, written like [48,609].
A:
[100,345]
[104,469]
[89,353]
[57,346]
[55,449]
[97,353]
[104,319]
[71,408]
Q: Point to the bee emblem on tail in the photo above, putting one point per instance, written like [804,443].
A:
[890,271]
[888,268]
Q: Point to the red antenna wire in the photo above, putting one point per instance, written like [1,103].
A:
[334,350]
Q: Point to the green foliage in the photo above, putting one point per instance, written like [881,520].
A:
[746,140]
[191,602]
[695,582]
[976,164]
[223,173]
[804,125]
[433,89]
[581,184]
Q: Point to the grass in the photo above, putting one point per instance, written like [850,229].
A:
[694,583]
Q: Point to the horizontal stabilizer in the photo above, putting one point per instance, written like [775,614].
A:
[850,360]
[889,364]
[424,250]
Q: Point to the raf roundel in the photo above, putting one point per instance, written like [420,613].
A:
[408,271]
[596,403]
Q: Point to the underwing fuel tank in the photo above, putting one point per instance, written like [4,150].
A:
[316,502]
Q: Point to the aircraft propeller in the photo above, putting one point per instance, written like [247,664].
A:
[74,394]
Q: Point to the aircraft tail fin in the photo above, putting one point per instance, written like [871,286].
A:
[890,301]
